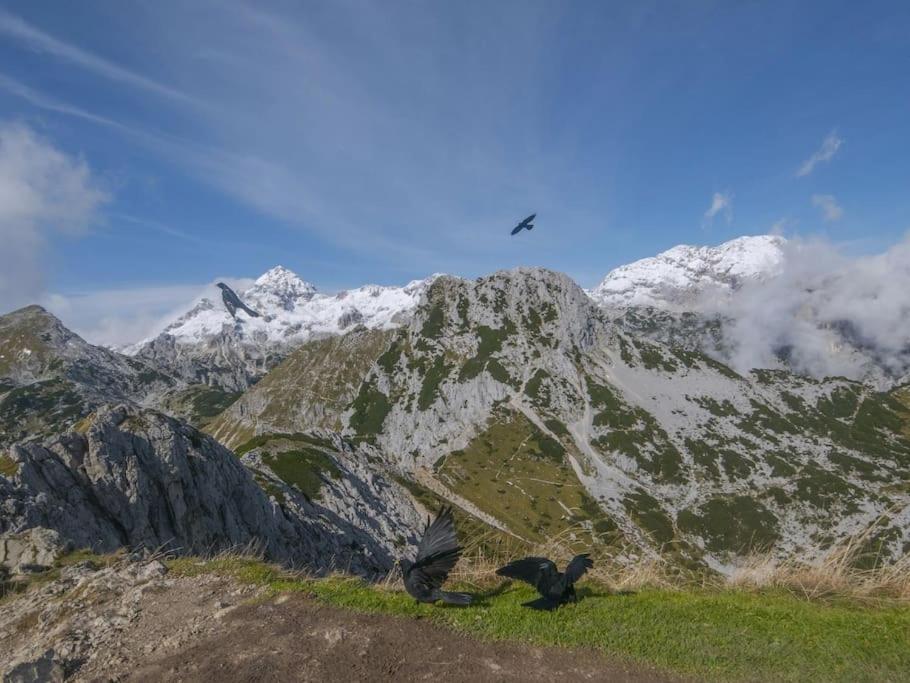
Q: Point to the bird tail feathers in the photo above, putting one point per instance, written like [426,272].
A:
[454,598]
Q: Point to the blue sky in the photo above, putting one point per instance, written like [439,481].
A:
[379,142]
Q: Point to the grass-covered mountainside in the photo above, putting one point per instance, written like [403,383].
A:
[519,398]
[198,404]
[312,387]
[50,377]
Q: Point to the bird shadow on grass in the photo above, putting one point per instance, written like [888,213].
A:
[482,599]
[585,593]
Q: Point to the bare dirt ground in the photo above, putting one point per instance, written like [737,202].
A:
[295,639]
[137,624]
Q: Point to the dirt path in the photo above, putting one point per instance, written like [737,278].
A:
[133,621]
[292,638]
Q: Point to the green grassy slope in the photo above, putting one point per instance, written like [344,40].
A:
[721,635]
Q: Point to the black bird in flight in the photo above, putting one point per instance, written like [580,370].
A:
[526,223]
[232,302]
[554,587]
[436,555]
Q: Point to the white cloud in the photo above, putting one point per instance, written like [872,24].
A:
[826,152]
[721,203]
[831,210]
[820,308]
[42,191]
[19,29]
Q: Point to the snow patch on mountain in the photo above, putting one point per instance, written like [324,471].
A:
[679,278]
[292,311]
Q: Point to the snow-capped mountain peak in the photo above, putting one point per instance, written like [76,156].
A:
[676,278]
[291,311]
[279,289]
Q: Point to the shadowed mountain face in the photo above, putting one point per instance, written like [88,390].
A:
[517,396]
[106,478]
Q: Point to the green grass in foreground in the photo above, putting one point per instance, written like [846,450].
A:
[719,635]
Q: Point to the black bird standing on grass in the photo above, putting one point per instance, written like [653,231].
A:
[232,302]
[436,555]
[556,588]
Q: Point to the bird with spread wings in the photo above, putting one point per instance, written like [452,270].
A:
[556,588]
[437,554]
[526,224]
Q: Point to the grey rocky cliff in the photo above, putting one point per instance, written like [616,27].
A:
[137,478]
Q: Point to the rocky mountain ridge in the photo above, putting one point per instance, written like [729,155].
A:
[674,296]
[517,394]
[50,377]
[135,478]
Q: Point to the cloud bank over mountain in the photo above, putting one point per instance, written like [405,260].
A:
[822,304]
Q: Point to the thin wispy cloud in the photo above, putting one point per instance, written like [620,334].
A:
[827,204]
[362,167]
[829,147]
[383,142]
[159,227]
[43,101]
[721,205]
[17,28]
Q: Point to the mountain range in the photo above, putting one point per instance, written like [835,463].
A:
[609,417]
[206,345]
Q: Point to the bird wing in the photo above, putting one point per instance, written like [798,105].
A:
[228,304]
[531,570]
[518,228]
[577,568]
[438,550]
[438,535]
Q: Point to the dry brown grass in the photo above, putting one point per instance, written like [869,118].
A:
[842,573]
[616,568]
[838,575]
